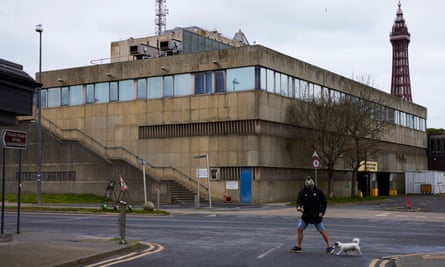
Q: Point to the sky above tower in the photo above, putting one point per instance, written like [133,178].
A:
[347,37]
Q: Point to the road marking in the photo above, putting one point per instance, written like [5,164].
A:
[383,214]
[130,256]
[270,251]
[373,262]
[383,263]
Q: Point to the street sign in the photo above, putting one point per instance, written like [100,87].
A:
[202,173]
[316,163]
[13,139]
[315,155]
[315,160]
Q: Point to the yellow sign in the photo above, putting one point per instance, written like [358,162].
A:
[371,166]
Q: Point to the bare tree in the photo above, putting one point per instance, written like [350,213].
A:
[365,126]
[325,125]
[339,127]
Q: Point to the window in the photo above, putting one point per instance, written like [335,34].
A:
[241,79]
[297,88]
[284,85]
[325,94]
[290,83]
[126,90]
[76,95]
[263,79]
[155,87]
[277,85]
[142,89]
[43,98]
[65,100]
[183,84]
[54,97]
[90,93]
[168,86]
[209,82]
[102,92]
[220,81]
[200,83]
[203,83]
[304,89]
[317,92]
[114,91]
[270,81]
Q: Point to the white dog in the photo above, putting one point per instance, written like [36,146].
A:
[348,248]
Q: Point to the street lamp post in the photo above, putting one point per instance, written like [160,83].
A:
[198,176]
[143,163]
[39,29]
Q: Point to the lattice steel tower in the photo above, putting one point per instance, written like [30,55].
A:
[161,12]
[400,37]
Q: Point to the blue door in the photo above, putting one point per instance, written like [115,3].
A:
[246,185]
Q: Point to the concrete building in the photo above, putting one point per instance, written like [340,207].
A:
[192,94]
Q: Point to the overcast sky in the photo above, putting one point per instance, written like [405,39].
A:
[348,37]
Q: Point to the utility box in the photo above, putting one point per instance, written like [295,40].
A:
[425,188]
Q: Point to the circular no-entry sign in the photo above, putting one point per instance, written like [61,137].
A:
[316,163]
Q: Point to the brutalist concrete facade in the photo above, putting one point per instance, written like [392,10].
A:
[245,134]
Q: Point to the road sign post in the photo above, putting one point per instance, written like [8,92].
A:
[315,164]
[15,140]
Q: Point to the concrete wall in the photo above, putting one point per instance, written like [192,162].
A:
[117,124]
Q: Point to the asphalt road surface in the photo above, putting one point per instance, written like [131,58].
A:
[220,239]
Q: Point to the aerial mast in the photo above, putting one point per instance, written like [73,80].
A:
[161,12]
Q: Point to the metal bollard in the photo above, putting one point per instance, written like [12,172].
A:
[158,199]
[122,220]
[197,204]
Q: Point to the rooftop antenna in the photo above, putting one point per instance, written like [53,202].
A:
[161,12]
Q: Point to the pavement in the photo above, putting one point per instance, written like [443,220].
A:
[56,249]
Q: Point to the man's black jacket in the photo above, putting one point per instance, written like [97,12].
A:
[313,202]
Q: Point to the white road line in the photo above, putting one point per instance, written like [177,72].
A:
[383,214]
[270,251]
[383,263]
[373,262]
[130,256]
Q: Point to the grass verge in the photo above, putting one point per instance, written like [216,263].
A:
[70,199]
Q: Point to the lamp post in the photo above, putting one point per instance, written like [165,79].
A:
[198,176]
[143,163]
[39,29]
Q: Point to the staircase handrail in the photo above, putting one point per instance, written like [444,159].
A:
[126,154]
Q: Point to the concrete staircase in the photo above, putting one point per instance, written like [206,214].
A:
[180,194]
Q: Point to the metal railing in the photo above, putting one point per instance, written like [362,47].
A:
[120,153]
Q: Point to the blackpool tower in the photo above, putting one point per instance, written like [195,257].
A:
[400,37]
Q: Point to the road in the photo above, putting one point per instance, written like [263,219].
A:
[238,239]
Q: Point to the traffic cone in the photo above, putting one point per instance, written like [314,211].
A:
[408,202]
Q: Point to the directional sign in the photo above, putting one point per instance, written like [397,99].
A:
[13,139]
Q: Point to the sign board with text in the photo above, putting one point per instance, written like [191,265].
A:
[202,173]
[13,139]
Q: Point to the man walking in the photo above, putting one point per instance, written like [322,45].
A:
[311,201]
